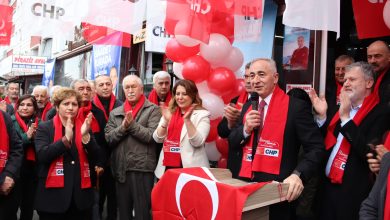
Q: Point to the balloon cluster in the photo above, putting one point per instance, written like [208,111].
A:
[211,66]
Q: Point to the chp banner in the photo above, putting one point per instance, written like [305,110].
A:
[48,76]
[106,60]
[372,18]
[5,24]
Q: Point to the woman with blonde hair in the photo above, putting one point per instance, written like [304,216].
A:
[183,130]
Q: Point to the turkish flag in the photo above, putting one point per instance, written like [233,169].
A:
[371,18]
[101,35]
[92,32]
[194,193]
[5,24]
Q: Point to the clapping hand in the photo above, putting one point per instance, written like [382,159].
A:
[86,125]
[319,103]
[165,112]
[188,113]
[127,119]
[3,106]
[345,105]
[69,129]
[231,114]
[31,131]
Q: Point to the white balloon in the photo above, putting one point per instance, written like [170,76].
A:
[212,151]
[217,50]
[214,104]
[177,69]
[234,60]
[386,14]
[186,40]
[203,88]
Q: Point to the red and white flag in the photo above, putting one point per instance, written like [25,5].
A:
[313,14]
[105,36]
[5,24]
[194,193]
[372,18]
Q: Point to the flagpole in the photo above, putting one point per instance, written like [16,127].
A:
[323,61]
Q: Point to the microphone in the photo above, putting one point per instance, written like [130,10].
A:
[255,100]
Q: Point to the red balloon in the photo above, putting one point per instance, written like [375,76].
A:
[196,68]
[213,134]
[223,24]
[221,81]
[240,88]
[222,146]
[222,163]
[177,52]
[170,25]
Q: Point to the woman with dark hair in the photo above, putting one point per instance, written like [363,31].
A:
[183,130]
[63,146]
[26,123]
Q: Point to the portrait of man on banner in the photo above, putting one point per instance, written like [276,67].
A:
[106,61]
[296,48]
[48,76]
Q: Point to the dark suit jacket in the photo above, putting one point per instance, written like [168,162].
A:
[374,206]
[384,88]
[300,130]
[234,157]
[58,200]
[15,156]
[342,201]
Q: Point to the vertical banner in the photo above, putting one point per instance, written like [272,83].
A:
[296,48]
[48,76]
[106,60]
[5,24]
[264,45]
[248,27]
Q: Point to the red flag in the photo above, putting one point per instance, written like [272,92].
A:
[194,193]
[93,32]
[5,24]
[248,8]
[106,36]
[370,18]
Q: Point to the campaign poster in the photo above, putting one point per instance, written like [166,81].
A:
[106,61]
[48,75]
[296,48]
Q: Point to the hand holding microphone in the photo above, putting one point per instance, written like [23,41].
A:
[253,120]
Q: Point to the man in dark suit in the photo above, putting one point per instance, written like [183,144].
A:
[230,119]
[270,149]
[378,55]
[358,123]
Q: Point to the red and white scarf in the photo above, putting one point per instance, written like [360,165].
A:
[83,113]
[242,99]
[269,149]
[55,176]
[153,98]
[30,151]
[45,110]
[99,104]
[171,144]
[4,143]
[134,111]
[338,165]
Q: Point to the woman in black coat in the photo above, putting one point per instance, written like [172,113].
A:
[63,145]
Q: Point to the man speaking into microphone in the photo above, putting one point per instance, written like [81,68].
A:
[269,135]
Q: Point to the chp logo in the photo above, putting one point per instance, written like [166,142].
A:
[200,6]
[268,148]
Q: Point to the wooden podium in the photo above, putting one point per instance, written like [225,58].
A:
[256,205]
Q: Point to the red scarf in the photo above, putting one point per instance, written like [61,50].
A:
[242,100]
[387,141]
[338,90]
[82,114]
[269,149]
[387,199]
[4,143]
[171,144]
[7,100]
[99,104]
[153,97]
[127,106]
[45,110]
[30,151]
[338,165]
[379,81]
[55,176]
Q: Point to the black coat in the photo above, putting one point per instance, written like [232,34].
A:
[384,88]
[300,130]
[15,158]
[342,201]
[373,207]
[58,200]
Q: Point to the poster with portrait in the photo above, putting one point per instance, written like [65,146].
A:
[296,48]
[48,75]
[106,61]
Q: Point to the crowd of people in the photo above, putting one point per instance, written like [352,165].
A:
[68,151]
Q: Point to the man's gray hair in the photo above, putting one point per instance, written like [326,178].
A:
[53,89]
[135,77]
[271,63]
[365,67]
[73,83]
[7,86]
[160,75]
[40,87]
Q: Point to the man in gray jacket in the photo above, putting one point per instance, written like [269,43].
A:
[129,133]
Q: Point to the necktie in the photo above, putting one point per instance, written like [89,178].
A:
[261,110]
